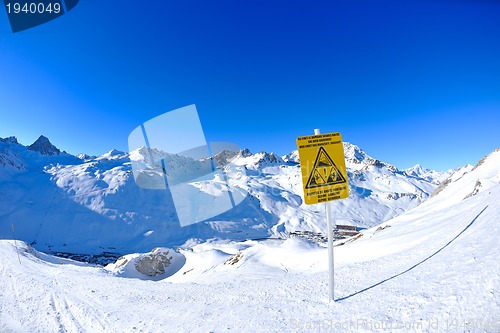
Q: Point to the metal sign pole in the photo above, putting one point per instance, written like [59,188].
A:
[330,250]
[328,213]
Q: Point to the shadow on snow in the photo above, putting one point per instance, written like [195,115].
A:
[416,265]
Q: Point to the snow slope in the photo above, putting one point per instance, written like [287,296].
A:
[431,269]
[92,205]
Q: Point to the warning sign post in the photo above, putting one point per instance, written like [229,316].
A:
[322,163]
[324,179]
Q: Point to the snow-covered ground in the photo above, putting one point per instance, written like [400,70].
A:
[434,268]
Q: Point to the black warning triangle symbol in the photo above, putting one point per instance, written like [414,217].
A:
[324,172]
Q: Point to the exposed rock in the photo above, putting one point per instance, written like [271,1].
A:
[396,196]
[268,158]
[477,188]
[224,157]
[153,263]
[8,158]
[234,259]
[246,152]
[10,139]
[293,157]
[43,146]
[441,187]
[481,162]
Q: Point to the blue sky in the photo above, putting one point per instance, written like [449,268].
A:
[408,81]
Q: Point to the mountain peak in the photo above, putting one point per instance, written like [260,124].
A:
[246,152]
[43,146]
[293,157]
[354,154]
[10,139]
[112,154]
[417,170]
[84,157]
[265,157]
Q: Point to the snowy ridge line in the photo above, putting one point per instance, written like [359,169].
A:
[94,206]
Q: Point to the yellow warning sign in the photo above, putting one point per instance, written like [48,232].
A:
[322,164]
[324,172]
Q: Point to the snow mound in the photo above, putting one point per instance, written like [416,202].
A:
[158,264]
[220,261]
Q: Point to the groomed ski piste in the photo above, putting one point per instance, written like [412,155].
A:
[434,268]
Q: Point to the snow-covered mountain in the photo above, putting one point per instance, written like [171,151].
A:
[433,268]
[432,176]
[43,146]
[84,204]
